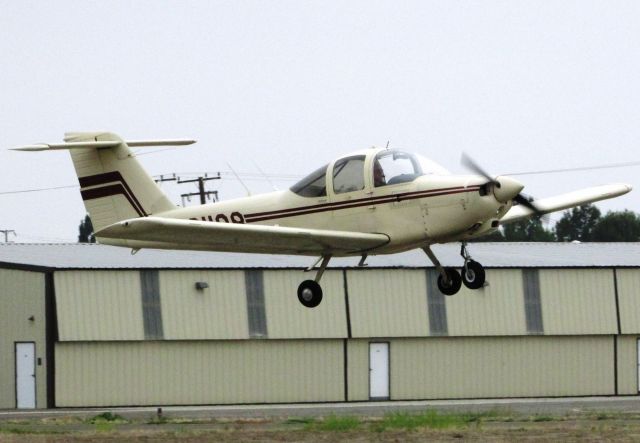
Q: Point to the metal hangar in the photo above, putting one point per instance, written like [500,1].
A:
[90,325]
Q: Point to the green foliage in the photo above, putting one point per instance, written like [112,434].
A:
[428,419]
[107,417]
[578,223]
[530,229]
[618,226]
[86,231]
[336,424]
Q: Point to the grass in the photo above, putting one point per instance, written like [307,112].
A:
[428,419]
[25,431]
[334,423]
[107,417]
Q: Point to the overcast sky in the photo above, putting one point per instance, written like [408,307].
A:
[289,85]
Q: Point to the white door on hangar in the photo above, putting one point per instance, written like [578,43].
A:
[26,375]
[378,370]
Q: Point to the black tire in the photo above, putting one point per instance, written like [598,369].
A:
[455,282]
[310,293]
[473,276]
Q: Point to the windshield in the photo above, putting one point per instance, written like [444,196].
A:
[313,185]
[430,167]
[391,167]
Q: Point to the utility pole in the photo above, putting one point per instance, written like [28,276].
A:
[6,233]
[204,194]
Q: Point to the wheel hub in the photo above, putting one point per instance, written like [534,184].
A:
[471,276]
[307,294]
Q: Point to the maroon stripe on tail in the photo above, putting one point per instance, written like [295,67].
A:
[100,179]
[110,177]
[111,190]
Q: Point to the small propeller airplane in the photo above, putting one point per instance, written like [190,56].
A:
[373,201]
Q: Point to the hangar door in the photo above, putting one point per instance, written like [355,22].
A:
[25,375]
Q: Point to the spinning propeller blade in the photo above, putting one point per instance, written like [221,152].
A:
[520,198]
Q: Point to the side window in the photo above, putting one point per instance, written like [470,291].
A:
[313,185]
[348,175]
[393,167]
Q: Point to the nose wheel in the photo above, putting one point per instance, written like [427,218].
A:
[473,275]
[450,280]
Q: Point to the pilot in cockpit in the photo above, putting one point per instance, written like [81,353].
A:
[378,174]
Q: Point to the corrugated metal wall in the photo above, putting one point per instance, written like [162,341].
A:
[501,367]
[570,307]
[578,301]
[497,309]
[629,299]
[388,303]
[22,295]
[358,370]
[99,305]
[173,373]
[217,312]
[627,365]
[113,305]
[287,318]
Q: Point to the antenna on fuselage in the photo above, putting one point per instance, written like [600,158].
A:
[387,147]
[275,188]
[239,179]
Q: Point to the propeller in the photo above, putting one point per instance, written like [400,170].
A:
[519,198]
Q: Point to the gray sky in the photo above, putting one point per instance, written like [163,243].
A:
[290,85]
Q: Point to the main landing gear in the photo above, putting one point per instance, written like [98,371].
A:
[309,291]
[450,280]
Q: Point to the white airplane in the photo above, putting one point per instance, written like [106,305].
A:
[374,201]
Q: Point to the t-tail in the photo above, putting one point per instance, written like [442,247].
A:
[113,184]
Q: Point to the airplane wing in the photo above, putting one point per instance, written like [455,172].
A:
[565,201]
[168,233]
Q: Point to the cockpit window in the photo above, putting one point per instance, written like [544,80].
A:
[393,167]
[313,185]
[348,175]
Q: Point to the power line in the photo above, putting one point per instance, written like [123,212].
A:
[22,191]
[582,168]
[204,194]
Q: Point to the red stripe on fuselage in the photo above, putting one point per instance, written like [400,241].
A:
[311,209]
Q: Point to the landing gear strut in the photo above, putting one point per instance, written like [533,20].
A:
[450,280]
[310,291]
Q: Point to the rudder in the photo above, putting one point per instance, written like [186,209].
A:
[113,184]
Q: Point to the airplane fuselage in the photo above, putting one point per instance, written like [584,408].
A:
[429,209]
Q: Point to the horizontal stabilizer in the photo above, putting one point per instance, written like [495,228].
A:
[568,200]
[168,233]
[101,144]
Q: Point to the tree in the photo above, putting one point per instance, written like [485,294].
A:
[530,229]
[578,223]
[86,231]
[617,226]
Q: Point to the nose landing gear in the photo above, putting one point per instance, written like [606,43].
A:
[473,275]
[450,280]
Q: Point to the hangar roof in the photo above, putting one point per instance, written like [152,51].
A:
[493,255]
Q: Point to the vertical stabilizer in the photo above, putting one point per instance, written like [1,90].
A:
[113,184]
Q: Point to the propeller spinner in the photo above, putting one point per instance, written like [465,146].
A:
[504,188]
